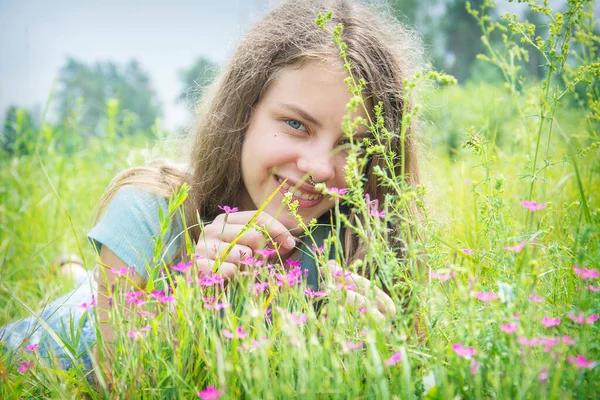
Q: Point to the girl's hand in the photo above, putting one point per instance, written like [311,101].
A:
[358,290]
[219,234]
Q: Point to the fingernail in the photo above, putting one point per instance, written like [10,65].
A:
[290,243]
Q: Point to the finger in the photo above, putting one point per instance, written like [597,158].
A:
[276,229]
[227,269]
[359,301]
[230,232]
[385,304]
[214,250]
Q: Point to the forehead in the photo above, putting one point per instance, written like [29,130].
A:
[316,87]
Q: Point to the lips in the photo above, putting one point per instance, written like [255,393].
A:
[305,194]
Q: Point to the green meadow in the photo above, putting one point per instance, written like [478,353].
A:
[496,283]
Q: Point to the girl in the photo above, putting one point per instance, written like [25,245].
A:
[272,119]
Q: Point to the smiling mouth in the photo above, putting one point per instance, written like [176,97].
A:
[298,194]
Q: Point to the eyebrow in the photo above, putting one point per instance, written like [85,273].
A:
[302,113]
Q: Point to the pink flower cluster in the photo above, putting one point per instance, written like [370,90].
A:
[549,322]
[312,293]
[210,393]
[485,296]
[581,319]
[462,351]
[443,276]
[509,328]
[547,342]
[533,206]
[182,267]
[228,210]
[337,191]
[394,359]
[122,271]
[161,296]
[239,333]
[293,277]
[585,273]
[581,362]
[374,207]
[210,279]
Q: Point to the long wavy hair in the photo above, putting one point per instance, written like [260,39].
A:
[381,50]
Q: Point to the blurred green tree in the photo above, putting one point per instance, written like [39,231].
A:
[19,133]
[195,79]
[86,91]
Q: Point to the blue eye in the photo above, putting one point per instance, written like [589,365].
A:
[295,124]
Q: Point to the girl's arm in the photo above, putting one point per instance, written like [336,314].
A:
[105,279]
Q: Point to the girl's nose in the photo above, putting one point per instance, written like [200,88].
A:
[318,163]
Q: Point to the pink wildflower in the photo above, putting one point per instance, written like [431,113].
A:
[311,293]
[549,322]
[239,333]
[509,328]
[293,277]
[131,297]
[373,207]
[135,335]
[394,359]
[25,366]
[265,252]
[523,341]
[468,251]
[581,362]
[182,267]
[586,273]
[145,314]
[443,277]
[354,346]
[211,392]
[543,375]
[215,306]
[533,206]
[567,340]
[463,351]
[317,249]
[292,263]
[228,209]
[518,248]
[580,318]
[549,341]
[87,306]
[473,366]
[32,347]
[211,280]
[337,191]
[593,288]
[145,328]
[535,299]
[260,287]
[591,319]
[121,271]
[299,319]
[248,261]
[485,296]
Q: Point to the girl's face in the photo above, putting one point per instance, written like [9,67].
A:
[295,130]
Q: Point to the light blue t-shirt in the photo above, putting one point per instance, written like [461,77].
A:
[130,222]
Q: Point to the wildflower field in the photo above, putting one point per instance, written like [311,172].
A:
[495,278]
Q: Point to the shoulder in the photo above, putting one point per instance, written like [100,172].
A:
[131,224]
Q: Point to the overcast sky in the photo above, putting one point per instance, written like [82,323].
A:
[36,36]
